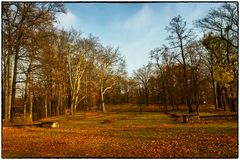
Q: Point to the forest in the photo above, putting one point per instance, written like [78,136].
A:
[68,95]
[47,71]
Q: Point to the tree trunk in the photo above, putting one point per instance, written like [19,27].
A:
[86,93]
[72,107]
[102,92]
[219,93]
[232,105]
[197,101]
[4,83]
[229,104]
[172,100]
[75,104]
[59,100]
[215,94]
[228,100]
[9,105]
[2,96]
[224,104]
[231,99]
[6,92]
[15,76]
[72,103]
[31,94]
[45,106]
[190,110]
[25,98]
[164,95]
[25,111]
[65,101]
[197,108]
[146,95]
[49,107]
[102,100]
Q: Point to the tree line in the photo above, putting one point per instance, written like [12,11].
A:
[48,71]
[191,70]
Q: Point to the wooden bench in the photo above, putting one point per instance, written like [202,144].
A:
[219,117]
[195,118]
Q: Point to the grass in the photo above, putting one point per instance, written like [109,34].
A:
[127,134]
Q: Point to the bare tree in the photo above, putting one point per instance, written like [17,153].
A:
[179,38]
[223,23]
[109,67]
[78,60]
[19,21]
[142,75]
[163,61]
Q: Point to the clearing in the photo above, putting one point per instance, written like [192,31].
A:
[125,134]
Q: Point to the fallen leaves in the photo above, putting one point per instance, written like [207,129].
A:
[132,140]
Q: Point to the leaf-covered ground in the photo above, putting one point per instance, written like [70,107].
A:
[93,134]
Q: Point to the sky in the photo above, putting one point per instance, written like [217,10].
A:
[136,28]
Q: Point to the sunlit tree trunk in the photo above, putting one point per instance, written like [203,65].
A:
[14,83]
[31,94]
[102,92]
[86,95]
[75,81]
[9,98]
[6,89]
[46,106]
[59,100]
[25,98]
[102,101]
[4,81]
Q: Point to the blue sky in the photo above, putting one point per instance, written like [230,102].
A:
[136,28]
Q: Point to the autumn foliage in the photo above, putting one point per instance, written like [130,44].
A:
[146,135]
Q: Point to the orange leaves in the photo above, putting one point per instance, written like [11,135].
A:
[143,135]
[101,142]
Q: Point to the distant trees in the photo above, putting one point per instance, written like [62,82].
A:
[186,70]
[164,61]
[48,72]
[142,76]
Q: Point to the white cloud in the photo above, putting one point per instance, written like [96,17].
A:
[137,35]
[144,30]
[140,20]
[67,21]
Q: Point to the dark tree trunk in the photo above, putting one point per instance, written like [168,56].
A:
[231,99]
[215,94]
[224,104]
[146,96]
[219,95]
[14,78]
[190,110]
